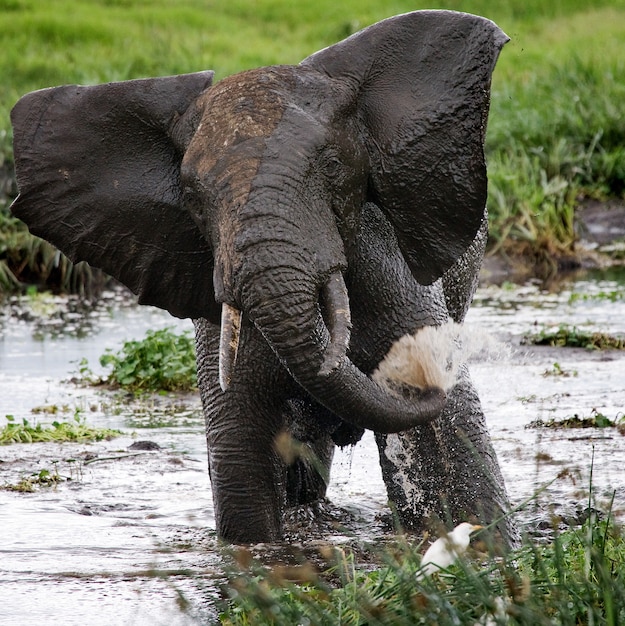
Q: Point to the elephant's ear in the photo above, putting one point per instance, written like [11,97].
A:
[98,172]
[422,86]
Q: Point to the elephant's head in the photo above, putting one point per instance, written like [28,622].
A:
[247,194]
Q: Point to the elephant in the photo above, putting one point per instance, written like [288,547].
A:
[305,217]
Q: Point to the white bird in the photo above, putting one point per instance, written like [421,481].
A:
[445,550]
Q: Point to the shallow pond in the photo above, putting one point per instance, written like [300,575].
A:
[127,537]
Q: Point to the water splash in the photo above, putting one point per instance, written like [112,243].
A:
[434,355]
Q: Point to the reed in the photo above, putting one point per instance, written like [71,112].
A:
[577,577]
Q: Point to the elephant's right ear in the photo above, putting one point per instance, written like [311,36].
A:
[98,172]
[420,86]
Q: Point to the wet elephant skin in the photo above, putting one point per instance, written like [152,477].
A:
[305,217]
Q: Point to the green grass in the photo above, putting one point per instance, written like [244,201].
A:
[614,295]
[556,132]
[558,371]
[576,578]
[162,361]
[555,138]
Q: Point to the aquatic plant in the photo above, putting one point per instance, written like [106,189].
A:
[613,295]
[558,370]
[29,484]
[595,420]
[76,431]
[569,336]
[162,361]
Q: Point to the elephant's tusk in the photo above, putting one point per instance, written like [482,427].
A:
[228,343]
[337,317]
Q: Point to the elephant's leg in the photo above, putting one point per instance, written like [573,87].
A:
[242,427]
[311,428]
[446,471]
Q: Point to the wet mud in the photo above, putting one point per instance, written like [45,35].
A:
[126,533]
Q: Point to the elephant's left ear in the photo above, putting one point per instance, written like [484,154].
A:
[98,172]
[421,83]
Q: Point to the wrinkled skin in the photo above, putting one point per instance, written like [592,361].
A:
[316,213]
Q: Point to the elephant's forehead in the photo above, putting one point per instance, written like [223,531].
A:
[239,108]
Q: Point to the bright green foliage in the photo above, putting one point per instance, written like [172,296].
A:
[162,361]
[76,431]
[554,137]
[556,131]
[578,578]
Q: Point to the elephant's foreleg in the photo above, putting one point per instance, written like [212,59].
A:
[246,471]
[446,471]
[242,427]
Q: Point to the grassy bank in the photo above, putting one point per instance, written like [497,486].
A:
[577,578]
[557,128]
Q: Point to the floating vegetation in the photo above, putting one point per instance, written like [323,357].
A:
[52,316]
[162,361]
[74,431]
[615,251]
[175,416]
[615,295]
[51,409]
[30,484]
[595,420]
[158,410]
[558,370]
[572,337]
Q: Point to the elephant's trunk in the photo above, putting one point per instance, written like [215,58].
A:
[338,320]
[308,328]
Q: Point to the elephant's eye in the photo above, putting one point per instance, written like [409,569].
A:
[333,167]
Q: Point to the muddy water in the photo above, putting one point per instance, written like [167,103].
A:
[542,383]
[127,537]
